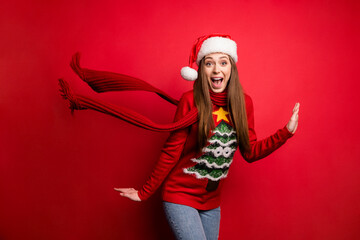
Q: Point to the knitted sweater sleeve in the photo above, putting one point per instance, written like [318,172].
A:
[170,153]
[262,148]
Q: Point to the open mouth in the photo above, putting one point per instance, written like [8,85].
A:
[216,82]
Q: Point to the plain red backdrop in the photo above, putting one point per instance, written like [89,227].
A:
[57,171]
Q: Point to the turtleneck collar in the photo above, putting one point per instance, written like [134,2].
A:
[219,99]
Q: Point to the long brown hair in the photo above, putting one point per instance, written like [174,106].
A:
[235,103]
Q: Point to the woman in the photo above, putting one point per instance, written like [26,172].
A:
[195,159]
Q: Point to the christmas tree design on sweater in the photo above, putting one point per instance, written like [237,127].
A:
[218,154]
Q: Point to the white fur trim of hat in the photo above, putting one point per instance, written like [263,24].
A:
[217,44]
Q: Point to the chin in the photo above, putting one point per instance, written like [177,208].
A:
[218,90]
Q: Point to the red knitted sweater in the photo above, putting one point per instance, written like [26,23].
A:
[194,179]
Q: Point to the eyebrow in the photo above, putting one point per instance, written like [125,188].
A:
[219,57]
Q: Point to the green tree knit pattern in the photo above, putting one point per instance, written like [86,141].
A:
[217,156]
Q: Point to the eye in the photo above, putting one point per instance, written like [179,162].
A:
[208,64]
[224,63]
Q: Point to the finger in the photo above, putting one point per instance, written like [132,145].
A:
[125,190]
[297,105]
[125,194]
[295,114]
[296,111]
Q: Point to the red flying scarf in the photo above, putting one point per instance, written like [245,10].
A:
[103,81]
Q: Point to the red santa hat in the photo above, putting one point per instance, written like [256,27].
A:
[205,45]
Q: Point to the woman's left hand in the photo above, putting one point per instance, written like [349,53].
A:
[293,122]
[130,193]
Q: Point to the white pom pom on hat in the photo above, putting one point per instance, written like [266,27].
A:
[206,45]
[189,73]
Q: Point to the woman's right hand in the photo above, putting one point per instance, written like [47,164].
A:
[293,122]
[130,193]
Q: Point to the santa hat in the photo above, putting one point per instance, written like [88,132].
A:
[205,45]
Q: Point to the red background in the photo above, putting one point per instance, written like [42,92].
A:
[57,171]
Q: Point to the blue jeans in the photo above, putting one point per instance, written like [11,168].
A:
[188,223]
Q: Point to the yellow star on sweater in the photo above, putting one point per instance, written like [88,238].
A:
[221,114]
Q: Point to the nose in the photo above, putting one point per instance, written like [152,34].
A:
[216,68]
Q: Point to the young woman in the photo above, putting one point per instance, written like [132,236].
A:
[195,160]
